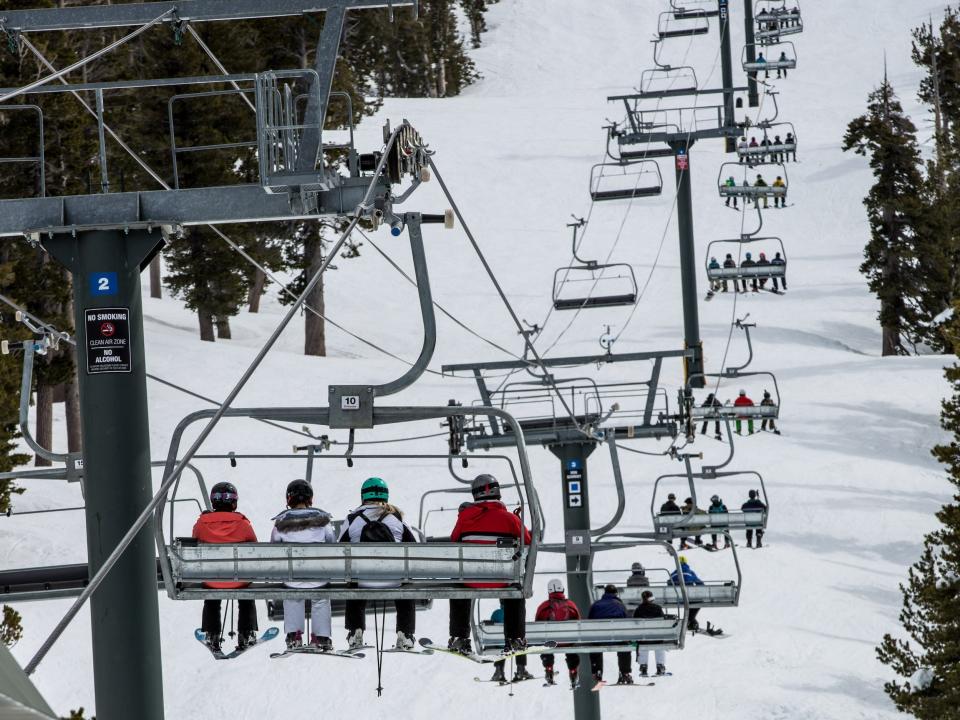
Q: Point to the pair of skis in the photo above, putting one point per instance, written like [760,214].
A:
[201,637]
[430,648]
[354,653]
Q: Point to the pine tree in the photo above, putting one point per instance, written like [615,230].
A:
[936,51]
[894,206]
[928,664]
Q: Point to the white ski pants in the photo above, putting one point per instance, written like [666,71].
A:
[642,655]
[294,617]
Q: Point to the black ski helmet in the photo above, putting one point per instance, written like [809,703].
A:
[299,491]
[224,496]
[485,487]
[752,494]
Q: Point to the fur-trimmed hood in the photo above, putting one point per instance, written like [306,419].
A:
[301,519]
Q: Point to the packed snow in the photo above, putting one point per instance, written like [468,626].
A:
[851,482]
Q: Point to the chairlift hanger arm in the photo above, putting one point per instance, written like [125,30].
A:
[106,16]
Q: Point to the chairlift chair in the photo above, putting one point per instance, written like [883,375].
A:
[771,61]
[682,78]
[701,522]
[699,413]
[711,594]
[617,280]
[585,635]
[750,191]
[754,272]
[685,9]
[773,153]
[668,26]
[625,180]
[774,19]
[415,570]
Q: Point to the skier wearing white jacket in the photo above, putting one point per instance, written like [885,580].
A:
[376,520]
[301,523]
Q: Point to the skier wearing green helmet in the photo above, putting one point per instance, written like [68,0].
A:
[376,520]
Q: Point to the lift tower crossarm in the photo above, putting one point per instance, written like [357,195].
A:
[568,361]
[680,92]
[106,16]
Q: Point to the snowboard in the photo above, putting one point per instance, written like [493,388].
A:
[711,632]
[310,650]
[485,659]
[201,636]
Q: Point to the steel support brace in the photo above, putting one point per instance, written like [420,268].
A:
[319,96]
[753,97]
[688,266]
[576,523]
[106,267]
[726,63]
[123,15]
[200,206]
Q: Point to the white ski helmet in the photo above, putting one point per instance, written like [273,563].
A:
[555,586]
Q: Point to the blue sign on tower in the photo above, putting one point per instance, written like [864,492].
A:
[104,283]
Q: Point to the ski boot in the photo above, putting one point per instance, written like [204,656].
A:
[498,674]
[625,679]
[749,542]
[246,639]
[521,673]
[548,674]
[461,645]
[693,626]
[643,671]
[661,669]
[355,639]
[321,642]
[684,546]
[213,642]
[404,641]
[759,543]
[294,640]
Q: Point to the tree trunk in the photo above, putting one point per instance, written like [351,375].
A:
[156,287]
[256,291]
[74,435]
[206,325]
[223,328]
[44,430]
[59,393]
[442,77]
[315,335]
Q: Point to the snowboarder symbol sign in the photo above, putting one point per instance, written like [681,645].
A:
[108,340]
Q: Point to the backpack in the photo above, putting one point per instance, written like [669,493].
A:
[373,530]
[559,610]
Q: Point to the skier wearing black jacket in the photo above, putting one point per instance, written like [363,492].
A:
[754,503]
[649,610]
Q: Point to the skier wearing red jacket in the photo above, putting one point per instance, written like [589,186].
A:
[485,521]
[558,607]
[743,401]
[224,524]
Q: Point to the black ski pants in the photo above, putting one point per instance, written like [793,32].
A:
[573,661]
[246,617]
[624,660]
[759,536]
[355,615]
[514,621]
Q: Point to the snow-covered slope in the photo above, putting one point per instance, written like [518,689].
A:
[851,482]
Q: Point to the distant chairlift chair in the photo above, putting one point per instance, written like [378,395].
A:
[687,25]
[617,280]
[625,180]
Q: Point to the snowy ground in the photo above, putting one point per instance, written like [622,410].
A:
[851,482]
